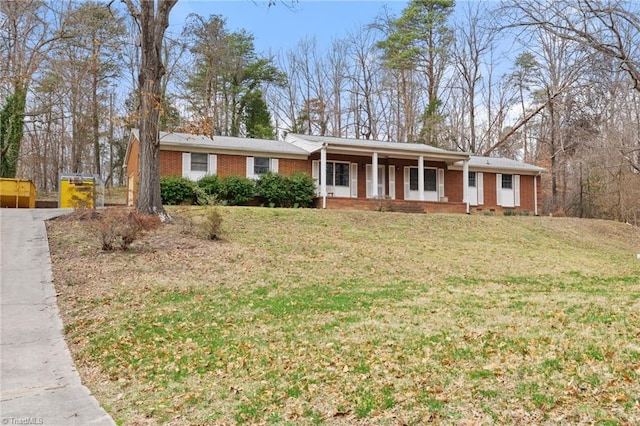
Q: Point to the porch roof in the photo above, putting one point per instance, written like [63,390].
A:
[352,146]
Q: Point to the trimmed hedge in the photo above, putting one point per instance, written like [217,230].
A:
[280,190]
[275,189]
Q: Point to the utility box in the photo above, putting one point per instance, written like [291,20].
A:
[17,193]
[78,191]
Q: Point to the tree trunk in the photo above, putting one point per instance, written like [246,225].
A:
[152,28]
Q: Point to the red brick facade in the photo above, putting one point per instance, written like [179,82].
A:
[231,164]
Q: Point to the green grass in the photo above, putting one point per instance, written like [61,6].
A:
[326,317]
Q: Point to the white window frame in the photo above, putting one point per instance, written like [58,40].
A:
[187,172]
[348,191]
[274,165]
[508,197]
[429,195]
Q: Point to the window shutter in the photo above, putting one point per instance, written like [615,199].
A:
[315,174]
[250,168]
[498,189]
[186,164]
[407,182]
[480,188]
[213,164]
[369,183]
[516,190]
[354,180]
[274,165]
[440,183]
[392,182]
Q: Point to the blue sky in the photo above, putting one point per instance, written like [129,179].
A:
[282,26]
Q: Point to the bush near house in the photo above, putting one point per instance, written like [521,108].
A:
[275,189]
[176,190]
[286,191]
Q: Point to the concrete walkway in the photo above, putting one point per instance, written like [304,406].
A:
[38,381]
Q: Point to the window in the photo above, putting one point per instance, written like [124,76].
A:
[261,165]
[429,179]
[507,181]
[198,162]
[472,179]
[337,174]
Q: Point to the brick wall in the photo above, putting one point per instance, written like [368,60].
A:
[228,165]
[170,163]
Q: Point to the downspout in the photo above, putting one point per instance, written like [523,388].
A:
[323,175]
[535,194]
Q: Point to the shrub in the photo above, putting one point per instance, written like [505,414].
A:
[287,191]
[119,228]
[175,190]
[212,224]
[302,189]
[211,185]
[237,190]
[275,189]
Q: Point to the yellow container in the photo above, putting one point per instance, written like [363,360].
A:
[77,191]
[17,193]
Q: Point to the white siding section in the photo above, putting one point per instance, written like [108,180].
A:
[392,182]
[213,164]
[354,180]
[516,190]
[369,169]
[250,168]
[315,174]
[186,164]
[407,182]
[498,189]
[480,187]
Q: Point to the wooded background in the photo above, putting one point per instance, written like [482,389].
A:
[553,83]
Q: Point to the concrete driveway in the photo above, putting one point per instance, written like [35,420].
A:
[38,381]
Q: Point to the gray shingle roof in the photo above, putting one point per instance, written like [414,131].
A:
[313,143]
[499,164]
[228,143]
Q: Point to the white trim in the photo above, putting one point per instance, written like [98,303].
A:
[421,178]
[535,195]
[374,175]
[407,182]
[392,182]
[212,167]
[315,174]
[369,179]
[186,164]
[353,176]
[323,174]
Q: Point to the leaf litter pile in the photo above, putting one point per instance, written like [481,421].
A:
[334,317]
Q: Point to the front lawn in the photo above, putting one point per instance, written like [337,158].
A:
[328,317]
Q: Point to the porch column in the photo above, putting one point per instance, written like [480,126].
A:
[323,175]
[421,177]
[374,175]
[465,183]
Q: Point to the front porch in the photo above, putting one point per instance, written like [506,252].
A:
[389,205]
